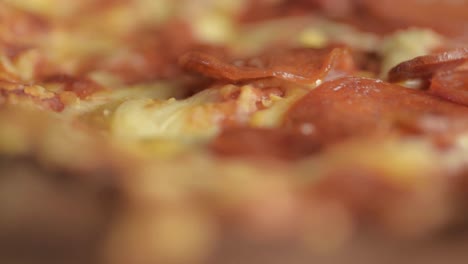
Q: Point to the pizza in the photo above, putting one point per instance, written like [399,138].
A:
[270,131]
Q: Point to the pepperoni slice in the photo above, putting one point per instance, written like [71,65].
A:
[296,65]
[261,142]
[452,86]
[446,16]
[426,66]
[347,108]
[358,107]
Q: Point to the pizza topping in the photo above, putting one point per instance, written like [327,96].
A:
[452,86]
[141,59]
[448,17]
[376,16]
[320,154]
[426,66]
[404,45]
[82,87]
[353,107]
[343,109]
[30,94]
[196,118]
[262,142]
[304,66]
[19,25]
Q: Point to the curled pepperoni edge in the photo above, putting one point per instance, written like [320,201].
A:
[426,66]
[215,68]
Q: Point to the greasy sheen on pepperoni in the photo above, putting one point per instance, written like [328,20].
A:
[356,107]
[426,66]
[301,65]
[345,109]
[452,86]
